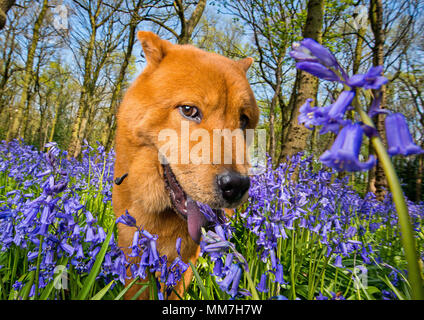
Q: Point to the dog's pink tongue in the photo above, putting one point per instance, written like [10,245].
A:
[195,220]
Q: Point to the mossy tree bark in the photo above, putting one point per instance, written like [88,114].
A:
[15,127]
[377,181]
[306,85]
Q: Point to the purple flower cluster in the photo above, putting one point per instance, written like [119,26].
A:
[344,154]
[50,202]
[328,209]
[144,246]
[64,205]
[45,207]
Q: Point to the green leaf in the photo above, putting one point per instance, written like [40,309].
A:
[199,282]
[89,282]
[124,291]
[393,288]
[99,295]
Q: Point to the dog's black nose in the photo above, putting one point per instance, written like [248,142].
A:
[233,185]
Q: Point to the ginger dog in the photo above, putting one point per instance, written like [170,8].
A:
[208,91]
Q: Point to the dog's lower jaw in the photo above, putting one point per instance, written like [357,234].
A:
[184,205]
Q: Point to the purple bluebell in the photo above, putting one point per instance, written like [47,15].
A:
[225,284]
[236,281]
[262,287]
[279,275]
[338,108]
[344,153]
[307,114]
[399,139]
[371,80]
[318,70]
[126,219]
[329,117]
[338,262]
[310,50]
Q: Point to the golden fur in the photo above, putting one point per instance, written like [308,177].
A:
[175,75]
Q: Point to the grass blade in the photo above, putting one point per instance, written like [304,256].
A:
[99,295]
[124,291]
[199,281]
[88,284]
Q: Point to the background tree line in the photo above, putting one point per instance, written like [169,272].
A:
[64,65]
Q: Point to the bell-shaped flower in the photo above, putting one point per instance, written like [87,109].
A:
[318,70]
[330,117]
[224,285]
[126,219]
[307,114]
[399,139]
[311,51]
[343,155]
[236,281]
[262,287]
[338,109]
[371,80]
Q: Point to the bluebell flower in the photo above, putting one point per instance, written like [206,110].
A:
[224,285]
[318,70]
[307,114]
[371,80]
[338,108]
[236,281]
[279,275]
[338,262]
[321,297]
[67,248]
[218,267]
[126,219]
[329,117]
[309,50]
[262,287]
[17,285]
[399,138]
[344,153]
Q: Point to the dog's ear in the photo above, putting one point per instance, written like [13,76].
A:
[154,48]
[245,63]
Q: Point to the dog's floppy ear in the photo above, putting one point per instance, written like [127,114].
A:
[245,63]
[154,47]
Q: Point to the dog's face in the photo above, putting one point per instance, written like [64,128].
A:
[179,106]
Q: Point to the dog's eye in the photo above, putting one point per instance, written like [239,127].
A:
[190,112]
[244,121]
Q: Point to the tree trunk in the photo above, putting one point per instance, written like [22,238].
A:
[41,127]
[356,64]
[377,180]
[55,118]
[307,84]
[14,130]
[75,143]
[9,48]
[272,107]
[5,5]
[109,130]
[187,26]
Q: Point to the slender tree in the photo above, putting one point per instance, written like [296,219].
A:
[14,129]
[100,18]
[306,85]
[137,16]
[5,5]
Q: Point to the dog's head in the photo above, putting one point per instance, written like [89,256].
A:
[191,109]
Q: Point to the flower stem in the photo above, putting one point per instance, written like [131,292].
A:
[252,288]
[407,236]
